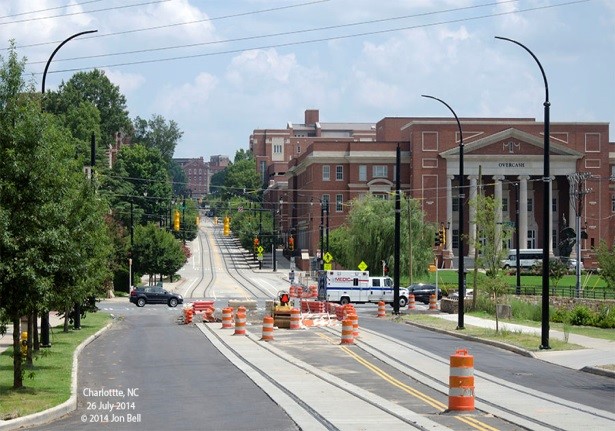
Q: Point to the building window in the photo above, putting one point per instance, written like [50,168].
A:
[455,203]
[326,172]
[613,204]
[530,206]
[339,203]
[339,173]
[455,238]
[531,238]
[554,205]
[277,149]
[263,169]
[554,239]
[379,171]
[325,201]
[505,205]
[298,149]
[362,172]
[383,196]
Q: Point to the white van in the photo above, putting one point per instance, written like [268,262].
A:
[527,258]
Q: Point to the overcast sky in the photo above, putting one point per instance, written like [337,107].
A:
[222,68]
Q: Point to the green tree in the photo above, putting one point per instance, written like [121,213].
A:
[606,260]
[491,235]
[96,88]
[496,287]
[156,133]
[241,177]
[156,251]
[368,235]
[40,184]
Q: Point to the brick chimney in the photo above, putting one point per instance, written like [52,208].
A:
[311,116]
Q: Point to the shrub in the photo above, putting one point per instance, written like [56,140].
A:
[606,318]
[527,311]
[581,316]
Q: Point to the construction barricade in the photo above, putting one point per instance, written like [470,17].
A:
[267,329]
[411,302]
[188,315]
[347,337]
[461,381]
[240,323]
[295,318]
[433,302]
[355,324]
[381,309]
[227,318]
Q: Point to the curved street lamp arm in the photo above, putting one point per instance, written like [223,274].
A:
[453,112]
[544,76]
[56,50]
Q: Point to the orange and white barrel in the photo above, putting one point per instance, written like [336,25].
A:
[354,318]
[267,329]
[313,291]
[381,309]
[461,381]
[411,302]
[433,302]
[295,318]
[188,312]
[347,337]
[227,318]
[241,309]
[292,291]
[240,323]
[299,291]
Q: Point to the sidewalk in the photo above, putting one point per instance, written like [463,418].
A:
[6,340]
[596,353]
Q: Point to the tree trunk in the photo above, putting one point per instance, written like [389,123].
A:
[29,341]
[17,375]
[66,318]
[35,339]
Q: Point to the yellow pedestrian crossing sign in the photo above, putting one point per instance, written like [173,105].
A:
[327,257]
[362,266]
[260,249]
[327,267]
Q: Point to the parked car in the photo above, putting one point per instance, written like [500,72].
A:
[154,295]
[571,263]
[455,295]
[422,292]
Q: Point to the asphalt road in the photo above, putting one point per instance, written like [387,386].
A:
[170,377]
[576,386]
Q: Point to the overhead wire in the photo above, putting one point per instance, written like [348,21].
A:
[318,40]
[286,33]
[49,9]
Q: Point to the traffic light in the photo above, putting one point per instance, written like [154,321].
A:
[255,242]
[176,221]
[436,239]
[226,230]
[291,243]
[442,235]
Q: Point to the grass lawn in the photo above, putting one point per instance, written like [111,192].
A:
[518,339]
[48,382]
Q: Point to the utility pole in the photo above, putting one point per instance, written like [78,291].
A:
[577,192]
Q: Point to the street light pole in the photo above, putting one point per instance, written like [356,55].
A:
[461,274]
[546,205]
[45,315]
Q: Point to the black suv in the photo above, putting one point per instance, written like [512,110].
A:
[422,292]
[154,295]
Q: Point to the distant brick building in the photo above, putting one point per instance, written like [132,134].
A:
[311,169]
[199,173]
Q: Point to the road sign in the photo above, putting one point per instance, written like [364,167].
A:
[362,266]
[260,250]
[259,256]
[327,257]
[327,267]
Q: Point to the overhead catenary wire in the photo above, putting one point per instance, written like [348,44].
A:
[317,40]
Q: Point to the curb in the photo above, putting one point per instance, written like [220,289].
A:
[518,350]
[60,410]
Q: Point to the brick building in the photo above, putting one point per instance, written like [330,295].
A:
[509,152]
[198,172]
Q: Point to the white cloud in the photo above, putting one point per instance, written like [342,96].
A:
[128,82]
[251,67]
[187,97]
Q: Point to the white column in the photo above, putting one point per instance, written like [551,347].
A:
[449,214]
[497,194]
[472,233]
[523,211]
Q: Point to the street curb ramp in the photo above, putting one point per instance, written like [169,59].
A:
[58,411]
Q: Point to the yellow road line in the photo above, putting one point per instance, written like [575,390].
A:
[481,426]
